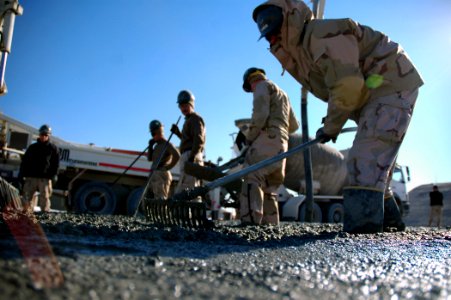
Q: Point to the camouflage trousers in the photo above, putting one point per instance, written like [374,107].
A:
[187,181]
[33,185]
[161,183]
[382,125]
[258,199]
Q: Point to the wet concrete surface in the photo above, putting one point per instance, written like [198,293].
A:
[118,257]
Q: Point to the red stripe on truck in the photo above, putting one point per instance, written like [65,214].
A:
[131,152]
[123,167]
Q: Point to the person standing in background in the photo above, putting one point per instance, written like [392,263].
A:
[436,203]
[272,121]
[38,171]
[164,156]
[192,140]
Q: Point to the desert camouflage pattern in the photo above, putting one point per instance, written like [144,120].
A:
[187,181]
[337,61]
[270,209]
[255,199]
[33,185]
[161,183]
[251,204]
[269,143]
[271,109]
[272,121]
[382,125]
[333,59]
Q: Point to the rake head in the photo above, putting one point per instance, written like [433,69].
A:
[179,210]
[9,197]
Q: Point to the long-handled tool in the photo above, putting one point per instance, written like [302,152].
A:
[131,165]
[146,188]
[177,210]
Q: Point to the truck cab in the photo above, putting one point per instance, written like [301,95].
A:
[401,175]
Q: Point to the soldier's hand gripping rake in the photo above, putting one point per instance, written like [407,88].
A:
[180,211]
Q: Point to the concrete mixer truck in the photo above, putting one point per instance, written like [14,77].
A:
[329,178]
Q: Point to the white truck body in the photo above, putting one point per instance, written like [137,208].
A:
[329,208]
[86,171]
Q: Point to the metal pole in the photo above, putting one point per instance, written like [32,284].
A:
[131,165]
[307,159]
[318,10]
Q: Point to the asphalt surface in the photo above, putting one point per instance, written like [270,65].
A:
[118,257]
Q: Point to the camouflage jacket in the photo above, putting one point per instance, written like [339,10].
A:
[271,110]
[336,60]
[169,159]
[193,134]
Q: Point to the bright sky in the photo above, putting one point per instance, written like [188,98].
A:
[100,71]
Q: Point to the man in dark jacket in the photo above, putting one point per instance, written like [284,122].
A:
[436,202]
[38,169]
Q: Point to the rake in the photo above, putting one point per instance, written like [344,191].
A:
[180,210]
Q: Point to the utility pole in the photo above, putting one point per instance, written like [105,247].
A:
[318,11]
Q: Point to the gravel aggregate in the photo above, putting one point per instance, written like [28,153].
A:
[120,257]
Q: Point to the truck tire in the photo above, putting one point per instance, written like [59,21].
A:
[95,197]
[335,213]
[133,200]
[317,214]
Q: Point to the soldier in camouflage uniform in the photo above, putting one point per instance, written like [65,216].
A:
[192,139]
[272,121]
[363,76]
[164,157]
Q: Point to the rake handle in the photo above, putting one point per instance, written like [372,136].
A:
[190,194]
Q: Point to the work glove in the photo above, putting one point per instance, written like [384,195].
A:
[175,130]
[324,137]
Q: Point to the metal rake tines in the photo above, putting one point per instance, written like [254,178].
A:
[177,213]
[9,196]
